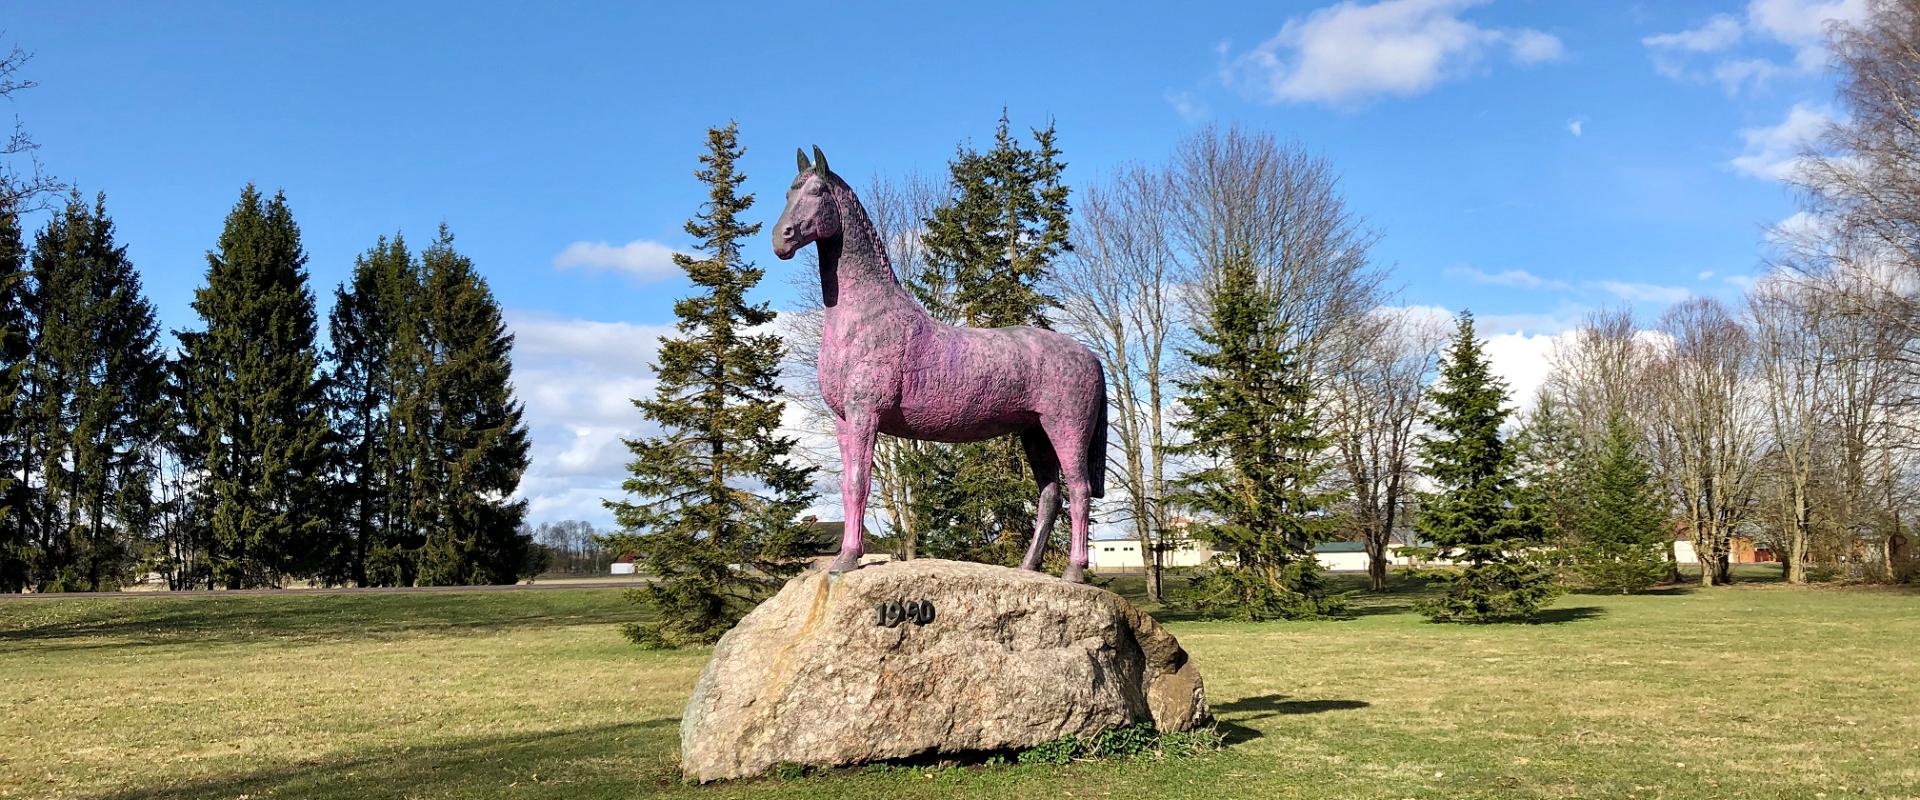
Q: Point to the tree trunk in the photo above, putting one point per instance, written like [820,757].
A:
[1155,574]
[1703,553]
[1377,565]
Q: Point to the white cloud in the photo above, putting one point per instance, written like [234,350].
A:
[1742,281]
[1350,52]
[1644,292]
[1529,46]
[1798,26]
[1734,74]
[1567,317]
[1522,279]
[1515,278]
[1524,360]
[1576,127]
[1802,21]
[1800,228]
[1419,315]
[1518,346]
[1719,33]
[1188,106]
[1704,275]
[1774,152]
[578,378]
[646,260]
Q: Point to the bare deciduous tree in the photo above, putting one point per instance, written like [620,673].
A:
[1117,294]
[1866,180]
[1599,371]
[1389,359]
[1706,429]
[1241,196]
[24,184]
[1862,376]
[1786,322]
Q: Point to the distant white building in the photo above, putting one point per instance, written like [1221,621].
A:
[1123,555]
[623,565]
[1740,550]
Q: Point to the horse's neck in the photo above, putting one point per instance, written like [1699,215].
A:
[855,274]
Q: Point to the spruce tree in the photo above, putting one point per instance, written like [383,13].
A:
[713,514]
[365,327]
[1477,513]
[96,377]
[258,409]
[1623,530]
[1251,423]
[990,253]
[471,442]
[16,549]
[1553,469]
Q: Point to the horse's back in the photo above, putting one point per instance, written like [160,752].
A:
[967,384]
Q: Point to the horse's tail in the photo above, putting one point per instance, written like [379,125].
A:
[1097,443]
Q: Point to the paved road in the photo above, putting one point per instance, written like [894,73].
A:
[518,587]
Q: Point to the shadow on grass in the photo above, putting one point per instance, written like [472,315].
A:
[84,624]
[1275,705]
[1373,604]
[1231,718]
[1562,616]
[1233,733]
[562,763]
[1668,590]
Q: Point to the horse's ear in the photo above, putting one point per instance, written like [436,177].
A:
[819,160]
[801,156]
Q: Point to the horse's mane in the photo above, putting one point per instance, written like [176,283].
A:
[856,225]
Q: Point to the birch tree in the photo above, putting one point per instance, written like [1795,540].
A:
[1118,296]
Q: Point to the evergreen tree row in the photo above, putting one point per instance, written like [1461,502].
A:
[251,458]
[82,404]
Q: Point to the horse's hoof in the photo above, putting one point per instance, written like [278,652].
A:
[1074,574]
[1030,566]
[843,564]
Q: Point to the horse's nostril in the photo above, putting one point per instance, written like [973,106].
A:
[786,232]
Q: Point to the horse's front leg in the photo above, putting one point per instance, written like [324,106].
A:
[856,433]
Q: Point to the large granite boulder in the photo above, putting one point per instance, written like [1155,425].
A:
[929,658]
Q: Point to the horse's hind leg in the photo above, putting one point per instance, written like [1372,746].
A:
[1071,440]
[1046,473]
[1079,508]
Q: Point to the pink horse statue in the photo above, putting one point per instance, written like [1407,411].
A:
[887,366]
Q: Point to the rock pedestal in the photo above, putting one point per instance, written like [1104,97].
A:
[929,658]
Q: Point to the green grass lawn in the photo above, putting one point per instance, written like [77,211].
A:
[1751,691]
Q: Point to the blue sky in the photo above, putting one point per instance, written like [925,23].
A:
[1530,159]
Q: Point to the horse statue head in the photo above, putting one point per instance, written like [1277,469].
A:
[811,213]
